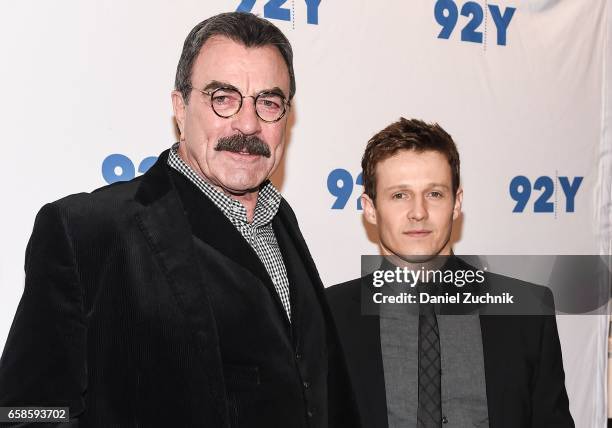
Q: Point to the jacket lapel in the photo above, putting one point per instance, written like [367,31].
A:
[215,229]
[370,380]
[162,221]
[285,217]
[287,231]
[493,353]
[297,281]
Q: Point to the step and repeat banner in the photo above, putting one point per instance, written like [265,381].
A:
[524,87]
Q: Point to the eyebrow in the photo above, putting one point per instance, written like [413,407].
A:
[275,90]
[216,84]
[407,186]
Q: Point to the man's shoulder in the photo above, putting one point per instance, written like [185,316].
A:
[104,199]
[508,282]
[97,214]
[115,196]
[344,288]
[345,294]
[528,298]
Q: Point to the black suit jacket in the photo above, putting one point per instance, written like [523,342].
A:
[525,381]
[116,320]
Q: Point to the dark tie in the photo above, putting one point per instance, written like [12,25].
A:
[429,413]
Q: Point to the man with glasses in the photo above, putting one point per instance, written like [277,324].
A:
[186,297]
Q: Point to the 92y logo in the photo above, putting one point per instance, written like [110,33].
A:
[340,185]
[273,10]
[118,167]
[447,13]
[520,190]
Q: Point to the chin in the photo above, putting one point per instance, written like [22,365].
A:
[419,251]
[417,258]
[411,255]
[242,184]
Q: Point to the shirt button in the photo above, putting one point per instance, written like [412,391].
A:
[310,413]
[298,356]
[306,384]
[444,420]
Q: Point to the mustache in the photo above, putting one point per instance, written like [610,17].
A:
[237,143]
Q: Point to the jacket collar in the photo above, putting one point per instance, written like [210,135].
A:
[162,221]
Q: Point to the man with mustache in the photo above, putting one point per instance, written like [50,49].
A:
[186,297]
[432,366]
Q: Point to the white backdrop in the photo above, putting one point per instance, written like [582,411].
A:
[82,80]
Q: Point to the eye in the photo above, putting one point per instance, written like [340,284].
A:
[399,195]
[220,99]
[269,102]
[436,195]
[225,98]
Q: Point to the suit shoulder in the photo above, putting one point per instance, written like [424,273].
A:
[112,192]
[340,294]
[104,199]
[529,298]
[500,282]
[99,210]
[507,282]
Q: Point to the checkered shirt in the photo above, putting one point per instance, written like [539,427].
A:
[259,234]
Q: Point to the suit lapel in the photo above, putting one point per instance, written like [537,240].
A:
[215,229]
[285,225]
[370,380]
[162,221]
[493,353]
[295,251]
[498,344]
[297,281]
[287,218]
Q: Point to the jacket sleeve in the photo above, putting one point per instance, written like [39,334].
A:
[44,359]
[549,398]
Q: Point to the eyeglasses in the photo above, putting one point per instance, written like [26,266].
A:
[226,102]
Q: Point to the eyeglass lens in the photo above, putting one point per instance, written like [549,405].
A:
[227,102]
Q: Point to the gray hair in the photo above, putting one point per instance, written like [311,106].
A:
[240,27]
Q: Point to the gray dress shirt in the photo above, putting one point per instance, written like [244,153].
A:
[464,398]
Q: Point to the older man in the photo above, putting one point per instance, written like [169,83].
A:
[186,297]
[433,365]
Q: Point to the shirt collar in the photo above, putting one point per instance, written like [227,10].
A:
[266,207]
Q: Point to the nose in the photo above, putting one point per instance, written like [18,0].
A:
[246,120]
[418,209]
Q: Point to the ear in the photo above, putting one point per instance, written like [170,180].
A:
[458,202]
[178,105]
[369,210]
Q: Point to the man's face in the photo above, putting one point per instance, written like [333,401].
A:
[415,206]
[251,71]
